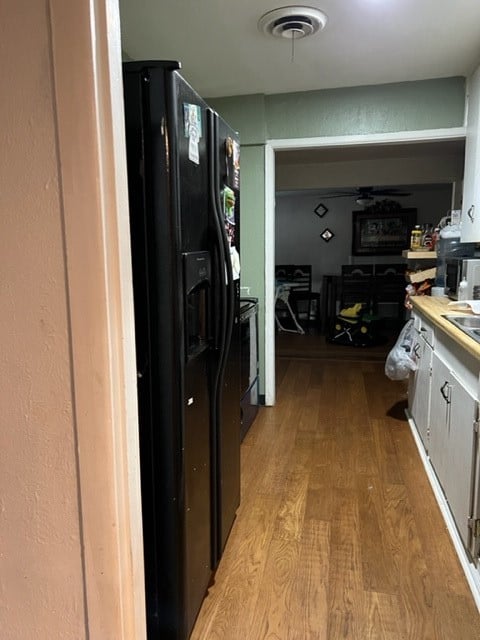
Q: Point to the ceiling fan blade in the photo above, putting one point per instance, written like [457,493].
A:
[366,192]
[348,194]
[389,192]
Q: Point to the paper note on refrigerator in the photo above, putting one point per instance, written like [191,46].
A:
[192,122]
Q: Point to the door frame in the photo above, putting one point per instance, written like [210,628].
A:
[94,204]
[271,146]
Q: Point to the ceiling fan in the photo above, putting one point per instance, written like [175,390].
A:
[366,195]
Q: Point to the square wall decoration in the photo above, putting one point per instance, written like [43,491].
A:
[327,235]
[320,210]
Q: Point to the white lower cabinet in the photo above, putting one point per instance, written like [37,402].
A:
[452,445]
[419,388]
[443,402]
[440,402]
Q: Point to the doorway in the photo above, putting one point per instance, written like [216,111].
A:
[394,144]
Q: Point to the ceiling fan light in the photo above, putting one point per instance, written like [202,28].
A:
[364,201]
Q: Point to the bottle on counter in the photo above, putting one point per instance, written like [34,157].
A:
[427,237]
[416,238]
[462,289]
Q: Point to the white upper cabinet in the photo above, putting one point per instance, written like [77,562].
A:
[471,181]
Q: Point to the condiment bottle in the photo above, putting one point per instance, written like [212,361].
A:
[427,238]
[462,289]
[416,238]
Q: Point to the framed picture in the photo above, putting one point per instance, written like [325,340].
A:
[382,233]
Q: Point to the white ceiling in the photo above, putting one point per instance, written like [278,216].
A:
[364,42]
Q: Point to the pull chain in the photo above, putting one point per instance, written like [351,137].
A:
[295,33]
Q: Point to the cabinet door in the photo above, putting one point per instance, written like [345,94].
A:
[471,183]
[460,459]
[439,417]
[453,443]
[419,389]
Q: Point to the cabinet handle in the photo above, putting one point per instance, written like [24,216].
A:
[416,349]
[471,212]
[442,391]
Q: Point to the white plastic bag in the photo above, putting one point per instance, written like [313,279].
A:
[401,360]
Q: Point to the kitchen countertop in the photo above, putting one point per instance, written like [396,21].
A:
[434,307]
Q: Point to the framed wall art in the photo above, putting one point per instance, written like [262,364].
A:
[382,233]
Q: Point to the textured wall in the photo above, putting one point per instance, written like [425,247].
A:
[41,578]
[406,106]
[246,115]
[252,234]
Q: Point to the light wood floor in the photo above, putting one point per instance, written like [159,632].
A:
[338,534]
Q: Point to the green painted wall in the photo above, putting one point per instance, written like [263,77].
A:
[252,232]
[409,106]
[406,106]
[246,114]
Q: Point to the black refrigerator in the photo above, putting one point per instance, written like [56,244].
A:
[184,188]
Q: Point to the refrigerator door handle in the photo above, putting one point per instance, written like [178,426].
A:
[227,293]
[219,254]
[230,284]
[224,431]
[221,299]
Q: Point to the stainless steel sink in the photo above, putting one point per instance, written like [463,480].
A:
[470,325]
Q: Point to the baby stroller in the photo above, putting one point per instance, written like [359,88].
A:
[354,327]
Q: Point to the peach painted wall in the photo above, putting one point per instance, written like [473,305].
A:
[41,575]
[71,564]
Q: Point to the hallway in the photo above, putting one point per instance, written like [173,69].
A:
[338,534]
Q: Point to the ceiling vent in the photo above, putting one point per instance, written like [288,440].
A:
[292,22]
